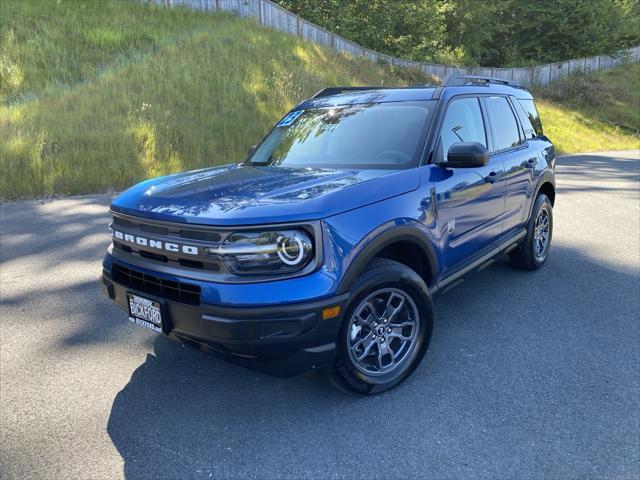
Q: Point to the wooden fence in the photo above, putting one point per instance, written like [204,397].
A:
[274,16]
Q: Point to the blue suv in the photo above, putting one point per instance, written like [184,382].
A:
[326,245]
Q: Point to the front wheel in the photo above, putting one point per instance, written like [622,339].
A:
[534,250]
[386,330]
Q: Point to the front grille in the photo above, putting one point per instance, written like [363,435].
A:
[212,265]
[153,285]
[178,230]
[174,234]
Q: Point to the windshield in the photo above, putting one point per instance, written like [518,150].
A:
[374,135]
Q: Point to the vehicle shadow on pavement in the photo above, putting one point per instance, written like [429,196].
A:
[59,231]
[199,415]
[537,381]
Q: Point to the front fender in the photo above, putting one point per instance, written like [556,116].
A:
[403,230]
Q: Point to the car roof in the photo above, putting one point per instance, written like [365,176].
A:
[359,95]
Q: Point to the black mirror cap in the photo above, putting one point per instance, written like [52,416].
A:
[466,155]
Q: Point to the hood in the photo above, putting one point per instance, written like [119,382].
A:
[243,194]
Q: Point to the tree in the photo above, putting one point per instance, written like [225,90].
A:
[478,32]
[630,31]
[470,28]
[563,29]
[411,29]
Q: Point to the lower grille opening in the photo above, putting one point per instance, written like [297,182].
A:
[153,285]
[213,265]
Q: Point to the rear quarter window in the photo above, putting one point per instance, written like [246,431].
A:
[532,113]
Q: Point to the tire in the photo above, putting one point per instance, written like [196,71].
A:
[390,309]
[528,256]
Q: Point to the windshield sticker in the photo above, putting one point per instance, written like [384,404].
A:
[289,118]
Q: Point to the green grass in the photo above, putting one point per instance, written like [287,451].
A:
[95,96]
[574,131]
[600,111]
[99,95]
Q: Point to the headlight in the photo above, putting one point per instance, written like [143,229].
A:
[251,253]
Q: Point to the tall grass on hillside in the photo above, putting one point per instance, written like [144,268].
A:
[573,130]
[590,112]
[99,95]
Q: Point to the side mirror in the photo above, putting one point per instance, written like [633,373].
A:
[251,149]
[466,155]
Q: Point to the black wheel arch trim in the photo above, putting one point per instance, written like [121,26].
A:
[547,177]
[390,235]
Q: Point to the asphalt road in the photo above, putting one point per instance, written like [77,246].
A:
[529,375]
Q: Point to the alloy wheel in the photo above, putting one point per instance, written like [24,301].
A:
[382,331]
[541,235]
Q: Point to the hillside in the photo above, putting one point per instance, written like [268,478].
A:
[598,111]
[98,95]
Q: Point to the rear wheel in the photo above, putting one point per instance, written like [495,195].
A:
[386,330]
[534,250]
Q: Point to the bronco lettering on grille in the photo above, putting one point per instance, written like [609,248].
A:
[151,243]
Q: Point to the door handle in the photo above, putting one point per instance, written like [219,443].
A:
[531,162]
[491,178]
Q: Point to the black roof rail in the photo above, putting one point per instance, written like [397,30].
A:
[325,92]
[457,80]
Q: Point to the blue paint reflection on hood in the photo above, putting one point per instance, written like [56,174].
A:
[243,194]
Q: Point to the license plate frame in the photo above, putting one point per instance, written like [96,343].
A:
[145,312]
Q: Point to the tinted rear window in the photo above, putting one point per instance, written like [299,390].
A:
[529,131]
[532,113]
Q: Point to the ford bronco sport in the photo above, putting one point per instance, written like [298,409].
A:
[326,245]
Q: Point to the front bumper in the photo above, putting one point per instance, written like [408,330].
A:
[283,340]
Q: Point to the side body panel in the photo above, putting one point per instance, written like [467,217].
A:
[519,164]
[526,169]
[469,202]
[470,210]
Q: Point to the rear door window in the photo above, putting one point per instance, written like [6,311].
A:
[504,127]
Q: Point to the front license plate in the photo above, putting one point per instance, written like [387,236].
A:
[145,312]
